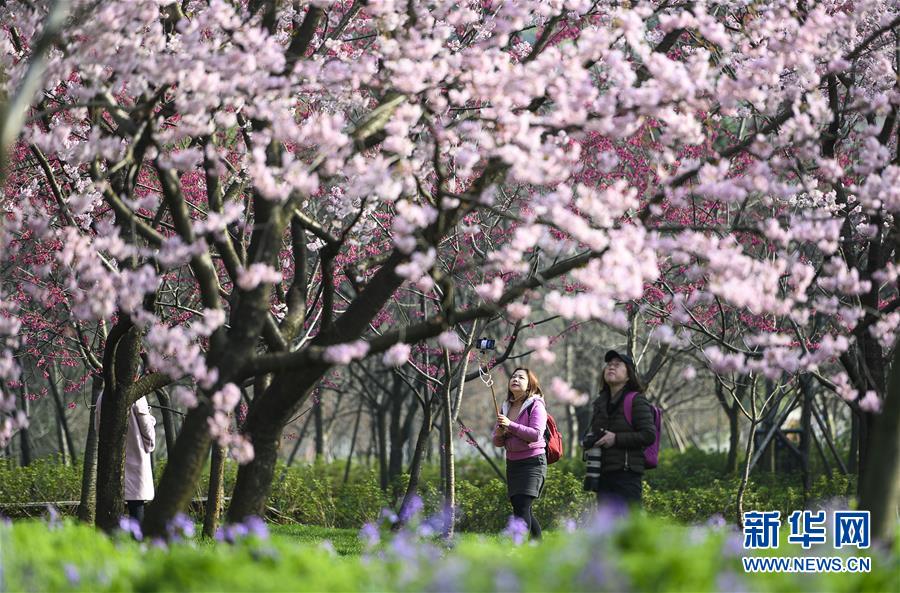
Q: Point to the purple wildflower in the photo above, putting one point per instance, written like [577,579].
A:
[605,519]
[716,521]
[403,546]
[328,547]
[232,533]
[448,575]
[731,582]
[369,534]
[733,545]
[131,526]
[72,574]
[257,527]
[179,527]
[389,515]
[158,542]
[505,581]
[412,508]
[593,574]
[53,520]
[240,531]
[516,529]
[437,523]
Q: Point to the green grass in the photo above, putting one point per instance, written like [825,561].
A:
[346,542]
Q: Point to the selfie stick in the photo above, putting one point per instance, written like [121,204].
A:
[485,374]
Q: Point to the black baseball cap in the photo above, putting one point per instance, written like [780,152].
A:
[611,354]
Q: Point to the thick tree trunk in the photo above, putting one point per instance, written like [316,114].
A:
[184,466]
[880,490]
[87,504]
[263,427]
[120,365]
[291,389]
[216,493]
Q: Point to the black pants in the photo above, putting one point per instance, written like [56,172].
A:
[521,504]
[622,486]
[136,509]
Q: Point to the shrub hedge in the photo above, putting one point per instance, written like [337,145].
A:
[686,487]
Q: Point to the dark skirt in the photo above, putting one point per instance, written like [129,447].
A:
[526,476]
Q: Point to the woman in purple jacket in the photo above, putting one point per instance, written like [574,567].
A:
[520,429]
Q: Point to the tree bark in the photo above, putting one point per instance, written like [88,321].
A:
[320,429]
[396,433]
[87,505]
[806,436]
[24,437]
[880,491]
[353,442]
[66,444]
[263,427]
[185,463]
[746,475]
[381,435]
[120,363]
[734,429]
[168,418]
[853,454]
[447,450]
[216,493]
[415,465]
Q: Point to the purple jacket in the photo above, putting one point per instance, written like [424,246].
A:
[525,434]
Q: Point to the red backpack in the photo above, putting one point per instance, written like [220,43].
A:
[552,438]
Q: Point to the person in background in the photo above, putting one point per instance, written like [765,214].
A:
[140,441]
[622,444]
[520,430]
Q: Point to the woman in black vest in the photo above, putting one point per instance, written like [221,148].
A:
[622,444]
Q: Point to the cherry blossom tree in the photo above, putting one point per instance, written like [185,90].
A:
[241,190]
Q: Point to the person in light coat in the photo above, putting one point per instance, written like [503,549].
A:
[140,441]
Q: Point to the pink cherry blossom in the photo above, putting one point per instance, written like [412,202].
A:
[871,402]
[346,353]
[541,347]
[566,394]
[256,274]
[397,355]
